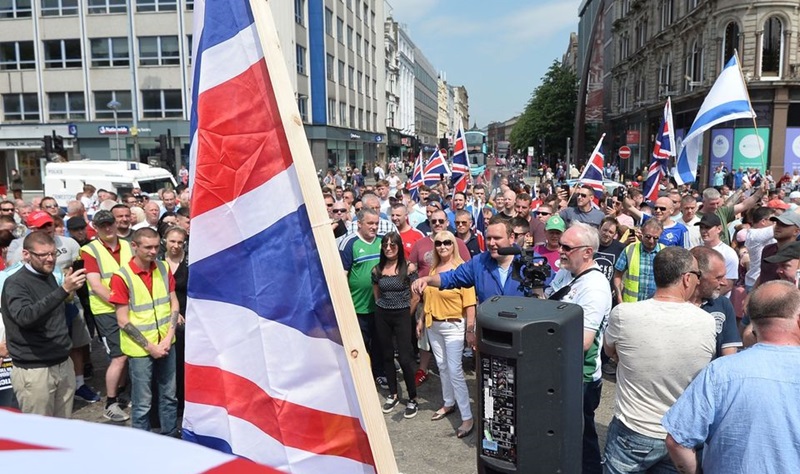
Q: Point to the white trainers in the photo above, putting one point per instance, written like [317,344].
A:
[115,413]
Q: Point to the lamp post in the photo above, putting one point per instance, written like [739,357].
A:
[114,105]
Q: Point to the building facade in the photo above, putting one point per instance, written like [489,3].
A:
[400,126]
[426,103]
[110,76]
[677,48]
[461,106]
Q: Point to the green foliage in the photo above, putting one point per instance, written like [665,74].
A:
[549,114]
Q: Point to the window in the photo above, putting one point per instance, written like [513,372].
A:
[666,13]
[351,77]
[366,81]
[665,76]
[332,111]
[189,49]
[15,9]
[156,5]
[103,98]
[109,52]
[360,82]
[730,41]
[301,59]
[299,12]
[302,107]
[17,107]
[341,73]
[60,54]
[329,22]
[358,44]
[374,88]
[361,119]
[190,5]
[59,7]
[158,50]
[342,113]
[352,117]
[17,55]
[694,66]
[162,104]
[366,12]
[350,38]
[329,67]
[102,7]
[772,48]
[66,105]
[340,29]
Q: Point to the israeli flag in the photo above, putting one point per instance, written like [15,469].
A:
[727,100]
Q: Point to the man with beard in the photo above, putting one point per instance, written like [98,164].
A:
[708,297]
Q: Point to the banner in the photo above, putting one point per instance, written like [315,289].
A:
[791,157]
[750,149]
[721,151]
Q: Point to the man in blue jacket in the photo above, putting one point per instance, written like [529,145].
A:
[489,272]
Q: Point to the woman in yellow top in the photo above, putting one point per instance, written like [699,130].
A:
[449,314]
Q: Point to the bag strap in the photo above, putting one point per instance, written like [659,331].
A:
[563,291]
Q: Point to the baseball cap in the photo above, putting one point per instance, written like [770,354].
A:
[709,220]
[788,252]
[103,217]
[777,204]
[555,222]
[794,195]
[76,222]
[38,219]
[787,218]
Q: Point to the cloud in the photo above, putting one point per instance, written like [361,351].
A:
[410,10]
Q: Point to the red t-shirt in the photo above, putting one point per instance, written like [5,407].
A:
[119,289]
[409,237]
[90,263]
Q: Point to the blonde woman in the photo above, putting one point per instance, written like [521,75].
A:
[447,315]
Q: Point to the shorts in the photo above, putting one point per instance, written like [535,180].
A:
[78,331]
[108,329]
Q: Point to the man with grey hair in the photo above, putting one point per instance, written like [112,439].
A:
[713,203]
[743,408]
[660,344]
[581,281]
[151,215]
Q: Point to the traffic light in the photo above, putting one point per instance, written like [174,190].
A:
[47,147]
[58,145]
[162,148]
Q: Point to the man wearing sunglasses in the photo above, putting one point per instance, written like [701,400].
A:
[634,278]
[585,211]
[674,234]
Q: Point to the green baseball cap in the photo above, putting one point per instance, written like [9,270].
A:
[555,222]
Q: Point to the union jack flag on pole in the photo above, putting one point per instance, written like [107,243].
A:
[276,371]
[435,168]
[662,151]
[592,174]
[460,177]
[416,178]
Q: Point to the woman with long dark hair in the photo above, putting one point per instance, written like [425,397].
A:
[174,241]
[394,305]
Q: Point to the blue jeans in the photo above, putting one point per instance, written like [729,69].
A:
[630,452]
[591,445]
[143,371]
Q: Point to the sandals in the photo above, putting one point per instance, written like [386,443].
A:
[462,433]
[443,412]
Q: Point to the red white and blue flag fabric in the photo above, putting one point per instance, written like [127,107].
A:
[33,443]
[460,166]
[416,178]
[592,174]
[662,151]
[267,376]
[435,168]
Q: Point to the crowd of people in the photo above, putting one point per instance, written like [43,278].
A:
[110,266]
[669,288]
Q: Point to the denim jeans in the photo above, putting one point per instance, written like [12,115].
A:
[591,445]
[630,452]
[143,371]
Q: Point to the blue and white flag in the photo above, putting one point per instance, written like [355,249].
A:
[727,100]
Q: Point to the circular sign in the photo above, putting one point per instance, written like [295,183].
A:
[796,147]
[720,146]
[751,146]
[624,152]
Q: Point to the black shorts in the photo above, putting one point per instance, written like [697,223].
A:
[108,329]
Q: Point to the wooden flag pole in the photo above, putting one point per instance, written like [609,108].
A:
[368,400]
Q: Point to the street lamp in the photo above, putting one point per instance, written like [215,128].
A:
[114,105]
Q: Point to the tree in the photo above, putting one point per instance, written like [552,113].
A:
[549,114]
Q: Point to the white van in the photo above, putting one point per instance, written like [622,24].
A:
[64,180]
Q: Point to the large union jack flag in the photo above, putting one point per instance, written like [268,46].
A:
[416,178]
[435,168]
[460,168]
[267,376]
[663,149]
[592,174]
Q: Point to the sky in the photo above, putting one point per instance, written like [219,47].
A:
[498,49]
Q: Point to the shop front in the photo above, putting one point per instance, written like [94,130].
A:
[22,149]
[333,147]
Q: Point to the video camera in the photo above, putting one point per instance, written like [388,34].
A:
[529,270]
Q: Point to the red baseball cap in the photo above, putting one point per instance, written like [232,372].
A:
[37,219]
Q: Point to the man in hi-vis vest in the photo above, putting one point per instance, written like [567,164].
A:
[633,276]
[102,257]
[143,291]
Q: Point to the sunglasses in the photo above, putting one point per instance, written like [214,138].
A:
[462,222]
[544,213]
[387,245]
[660,208]
[584,196]
[568,248]
[439,243]
[339,211]
[696,273]
[438,221]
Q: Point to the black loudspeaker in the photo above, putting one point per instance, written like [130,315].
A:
[530,392]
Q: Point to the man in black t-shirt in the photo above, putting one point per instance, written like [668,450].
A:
[610,248]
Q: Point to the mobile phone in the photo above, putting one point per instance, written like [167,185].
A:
[609,202]
[77,265]
[565,187]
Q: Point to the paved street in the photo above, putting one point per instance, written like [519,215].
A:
[421,446]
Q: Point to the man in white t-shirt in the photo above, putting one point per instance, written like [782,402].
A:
[580,281]
[660,344]
[760,234]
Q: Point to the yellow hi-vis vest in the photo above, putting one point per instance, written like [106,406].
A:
[107,266]
[630,280]
[149,313]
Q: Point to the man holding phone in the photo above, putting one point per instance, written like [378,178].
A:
[585,212]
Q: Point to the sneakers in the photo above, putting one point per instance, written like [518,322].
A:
[87,394]
[382,382]
[411,409]
[390,403]
[420,377]
[115,413]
